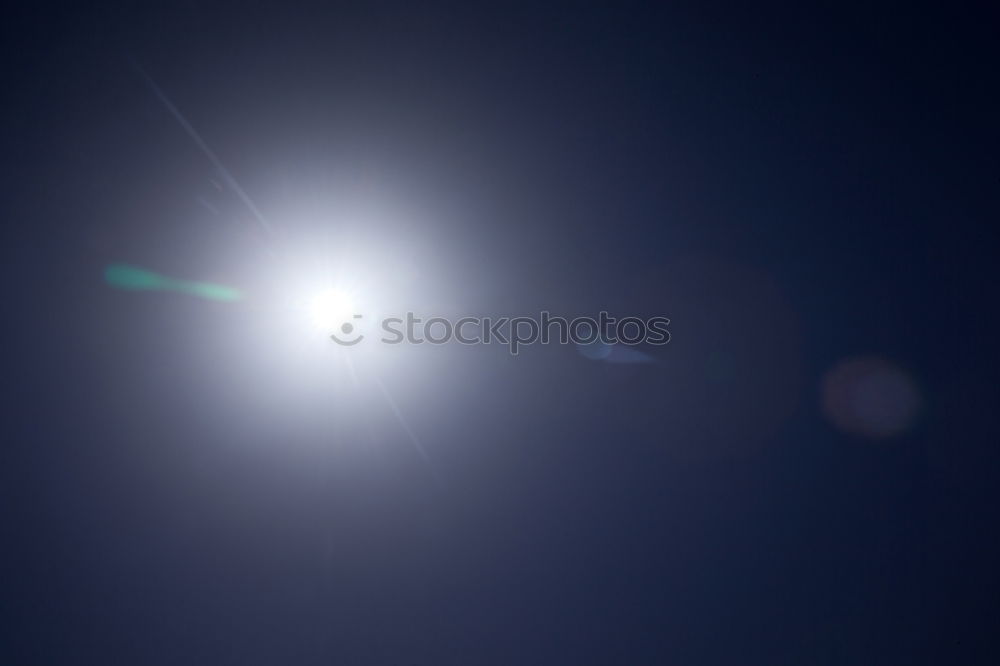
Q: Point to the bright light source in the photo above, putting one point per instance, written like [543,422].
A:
[331,309]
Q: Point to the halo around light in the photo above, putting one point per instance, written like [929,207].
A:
[331,308]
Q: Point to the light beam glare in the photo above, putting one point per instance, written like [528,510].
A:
[131,278]
[213,158]
[406,426]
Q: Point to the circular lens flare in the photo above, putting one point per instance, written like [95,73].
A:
[870,396]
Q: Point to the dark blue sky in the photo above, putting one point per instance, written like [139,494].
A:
[794,186]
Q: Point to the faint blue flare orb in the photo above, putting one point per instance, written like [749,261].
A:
[595,351]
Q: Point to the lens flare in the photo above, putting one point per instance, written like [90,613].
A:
[871,397]
[331,308]
[132,278]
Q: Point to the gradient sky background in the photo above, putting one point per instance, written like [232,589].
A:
[795,187]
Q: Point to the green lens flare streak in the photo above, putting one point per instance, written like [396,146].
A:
[131,278]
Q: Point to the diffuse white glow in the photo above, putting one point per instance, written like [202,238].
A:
[331,308]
